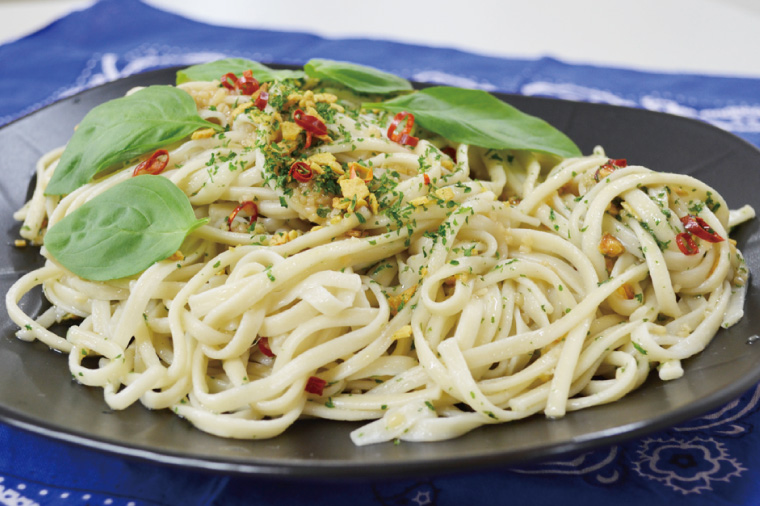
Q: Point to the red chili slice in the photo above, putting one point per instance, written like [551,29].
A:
[609,167]
[408,140]
[309,123]
[262,100]
[700,228]
[155,164]
[451,152]
[312,125]
[247,84]
[618,162]
[248,206]
[686,244]
[315,385]
[403,137]
[309,137]
[264,347]
[301,171]
[229,81]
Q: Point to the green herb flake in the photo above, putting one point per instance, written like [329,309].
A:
[639,348]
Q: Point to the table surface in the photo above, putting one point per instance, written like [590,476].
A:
[717,37]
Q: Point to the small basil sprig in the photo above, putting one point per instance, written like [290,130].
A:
[216,69]
[357,77]
[478,118]
[122,129]
[124,230]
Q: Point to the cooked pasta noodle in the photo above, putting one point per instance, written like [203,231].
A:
[426,291]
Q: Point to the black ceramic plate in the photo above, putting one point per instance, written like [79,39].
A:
[38,394]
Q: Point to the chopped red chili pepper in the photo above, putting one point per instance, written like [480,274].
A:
[402,137]
[686,244]
[247,84]
[700,228]
[620,163]
[426,178]
[301,171]
[609,167]
[262,100]
[264,347]
[309,123]
[250,207]
[315,385]
[312,125]
[451,152]
[155,164]
[229,81]
[408,140]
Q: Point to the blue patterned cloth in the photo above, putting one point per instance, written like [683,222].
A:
[711,460]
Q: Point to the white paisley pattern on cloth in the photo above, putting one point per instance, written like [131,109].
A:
[405,493]
[19,492]
[729,420]
[686,465]
[600,466]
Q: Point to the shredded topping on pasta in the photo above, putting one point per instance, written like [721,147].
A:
[342,268]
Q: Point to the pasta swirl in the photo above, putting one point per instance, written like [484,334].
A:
[424,290]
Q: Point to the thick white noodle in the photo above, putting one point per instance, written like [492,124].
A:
[492,300]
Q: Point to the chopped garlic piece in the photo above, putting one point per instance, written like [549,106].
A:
[204,133]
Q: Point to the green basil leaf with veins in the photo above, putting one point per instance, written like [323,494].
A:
[216,69]
[124,230]
[122,129]
[357,77]
[478,118]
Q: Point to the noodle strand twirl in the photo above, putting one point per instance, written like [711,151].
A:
[345,269]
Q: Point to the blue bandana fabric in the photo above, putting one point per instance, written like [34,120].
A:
[711,460]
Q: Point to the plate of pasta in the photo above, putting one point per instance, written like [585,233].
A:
[272,270]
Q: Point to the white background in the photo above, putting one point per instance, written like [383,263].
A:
[695,36]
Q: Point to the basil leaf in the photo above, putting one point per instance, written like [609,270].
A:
[216,69]
[124,230]
[122,129]
[357,77]
[478,118]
